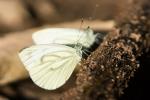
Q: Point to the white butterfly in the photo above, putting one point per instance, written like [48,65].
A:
[49,64]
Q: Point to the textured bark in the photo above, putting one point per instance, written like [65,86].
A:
[106,72]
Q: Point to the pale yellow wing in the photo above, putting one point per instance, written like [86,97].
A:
[64,36]
[50,66]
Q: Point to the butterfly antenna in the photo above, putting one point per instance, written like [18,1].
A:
[94,12]
[80,28]
[93,15]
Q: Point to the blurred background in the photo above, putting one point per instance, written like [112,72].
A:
[20,18]
[16,15]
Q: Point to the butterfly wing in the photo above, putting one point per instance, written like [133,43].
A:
[64,36]
[50,66]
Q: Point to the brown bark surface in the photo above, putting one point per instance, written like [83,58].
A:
[106,72]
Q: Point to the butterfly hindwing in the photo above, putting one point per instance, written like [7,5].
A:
[50,66]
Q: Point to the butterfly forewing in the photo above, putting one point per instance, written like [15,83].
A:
[64,36]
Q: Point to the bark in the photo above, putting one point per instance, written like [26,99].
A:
[107,71]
